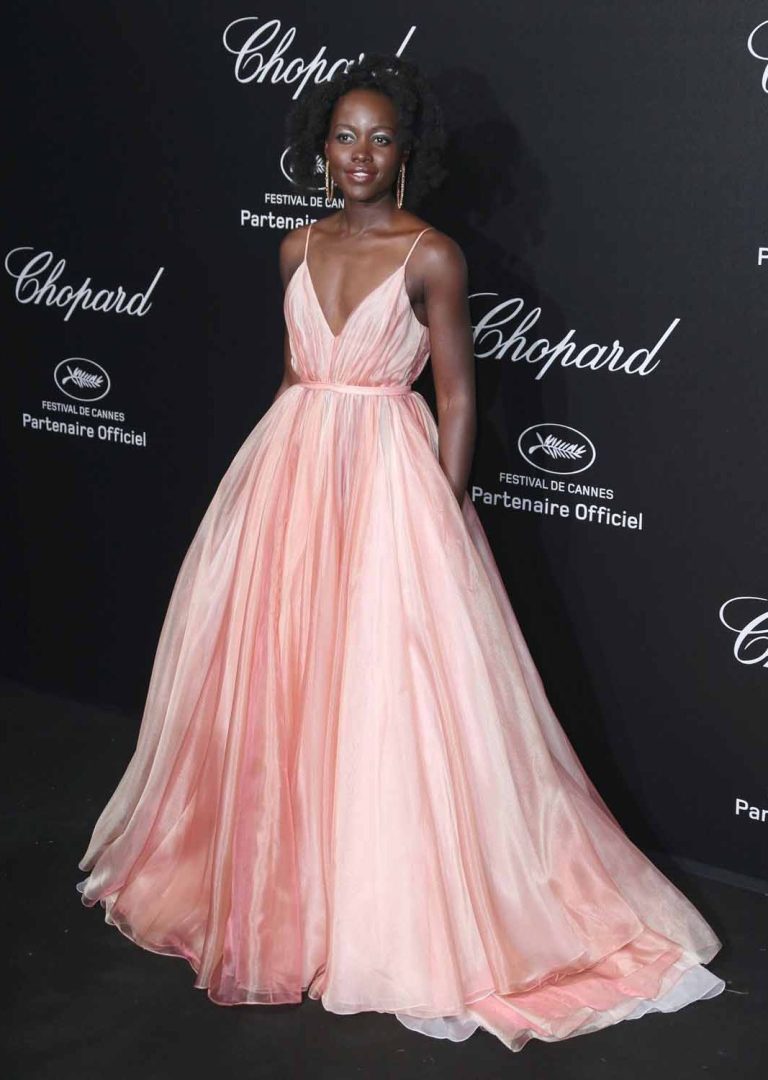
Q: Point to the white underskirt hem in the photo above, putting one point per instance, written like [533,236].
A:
[697,983]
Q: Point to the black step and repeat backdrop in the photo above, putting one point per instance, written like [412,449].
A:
[608,182]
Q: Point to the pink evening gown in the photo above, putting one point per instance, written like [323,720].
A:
[348,778]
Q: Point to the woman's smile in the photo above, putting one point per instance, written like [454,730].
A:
[360,175]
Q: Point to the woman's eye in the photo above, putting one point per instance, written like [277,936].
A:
[381,139]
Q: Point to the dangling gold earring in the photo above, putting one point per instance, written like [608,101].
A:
[400,185]
[328,182]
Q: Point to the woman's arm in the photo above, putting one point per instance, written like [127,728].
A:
[291,254]
[452,355]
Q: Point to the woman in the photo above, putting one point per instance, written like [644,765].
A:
[348,778]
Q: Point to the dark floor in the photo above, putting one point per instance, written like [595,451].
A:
[87,1003]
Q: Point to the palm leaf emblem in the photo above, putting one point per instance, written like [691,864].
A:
[84,379]
[558,448]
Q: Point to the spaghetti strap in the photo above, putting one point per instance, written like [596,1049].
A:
[415,242]
[306,241]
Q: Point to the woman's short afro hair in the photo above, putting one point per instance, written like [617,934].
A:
[421,124]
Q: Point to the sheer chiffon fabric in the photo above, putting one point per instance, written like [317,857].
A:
[348,778]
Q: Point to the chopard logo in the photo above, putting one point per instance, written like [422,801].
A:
[81,379]
[757,44]
[32,287]
[259,48]
[749,622]
[556,448]
[498,339]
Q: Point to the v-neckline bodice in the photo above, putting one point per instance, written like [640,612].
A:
[361,303]
[357,306]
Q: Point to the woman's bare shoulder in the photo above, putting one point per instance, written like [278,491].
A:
[293,244]
[292,251]
[439,255]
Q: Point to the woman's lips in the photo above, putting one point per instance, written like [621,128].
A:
[360,175]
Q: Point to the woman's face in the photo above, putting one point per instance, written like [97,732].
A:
[362,146]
